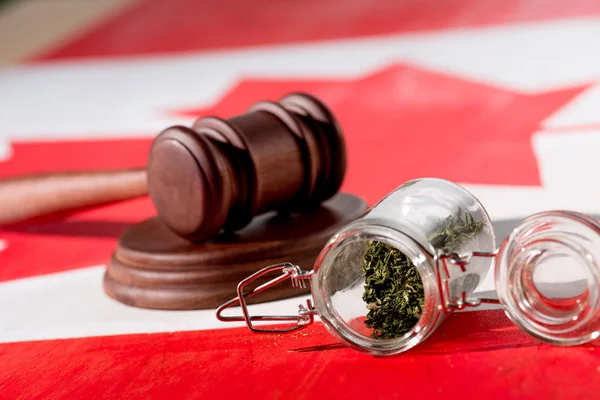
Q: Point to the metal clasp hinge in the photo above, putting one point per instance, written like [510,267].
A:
[460,261]
[299,279]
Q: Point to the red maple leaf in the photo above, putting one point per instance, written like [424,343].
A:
[404,122]
[400,123]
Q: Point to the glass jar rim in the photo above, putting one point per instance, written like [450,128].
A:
[423,259]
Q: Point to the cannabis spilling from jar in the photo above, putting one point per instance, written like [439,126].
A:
[393,290]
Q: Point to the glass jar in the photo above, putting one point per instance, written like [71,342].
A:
[564,246]
[411,219]
[440,241]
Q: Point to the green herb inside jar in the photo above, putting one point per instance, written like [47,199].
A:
[393,288]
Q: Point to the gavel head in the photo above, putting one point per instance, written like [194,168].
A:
[217,175]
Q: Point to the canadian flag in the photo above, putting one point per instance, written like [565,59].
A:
[502,97]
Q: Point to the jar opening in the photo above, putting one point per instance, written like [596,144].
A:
[375,289]
[557,276]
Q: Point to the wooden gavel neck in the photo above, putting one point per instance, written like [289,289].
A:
[34,196]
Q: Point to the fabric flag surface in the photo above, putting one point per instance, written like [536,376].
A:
[501,97]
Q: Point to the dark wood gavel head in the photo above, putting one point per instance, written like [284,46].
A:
[217,175]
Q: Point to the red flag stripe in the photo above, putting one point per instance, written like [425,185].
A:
[473,355]
[164,26]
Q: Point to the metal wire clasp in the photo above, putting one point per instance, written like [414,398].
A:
[458,300]
[299,279]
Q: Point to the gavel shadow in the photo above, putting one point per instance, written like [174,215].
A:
[474,331]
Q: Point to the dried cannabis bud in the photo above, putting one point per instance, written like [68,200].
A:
[455,230]
[393,289]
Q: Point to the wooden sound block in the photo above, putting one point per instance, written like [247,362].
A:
[154,268]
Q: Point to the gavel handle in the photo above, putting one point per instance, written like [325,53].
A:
[28,197]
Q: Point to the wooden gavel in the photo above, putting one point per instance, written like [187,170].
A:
[217,175]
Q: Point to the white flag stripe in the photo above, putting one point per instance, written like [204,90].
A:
[568,161]
[73,304]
